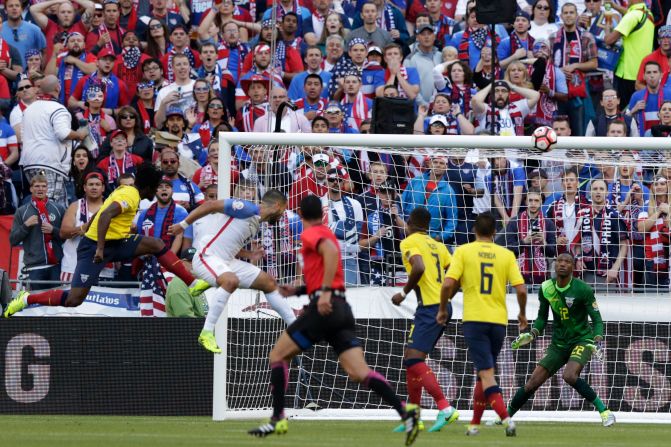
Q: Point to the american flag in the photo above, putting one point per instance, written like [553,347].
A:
[152,289]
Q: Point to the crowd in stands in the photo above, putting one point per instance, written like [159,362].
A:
[157,80]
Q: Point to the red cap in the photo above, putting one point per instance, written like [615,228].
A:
[106,52]
[261,47]
[116,132]
[245,83]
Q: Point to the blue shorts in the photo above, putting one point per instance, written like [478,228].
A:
[484,341]
[425,331]
[87,272]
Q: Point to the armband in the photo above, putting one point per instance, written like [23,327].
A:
[183,224]
[326,289]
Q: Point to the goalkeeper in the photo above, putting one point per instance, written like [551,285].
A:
[573,341]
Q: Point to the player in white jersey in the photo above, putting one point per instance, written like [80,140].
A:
[216,262]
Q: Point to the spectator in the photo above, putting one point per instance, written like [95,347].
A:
[355,105]
[261,55]
[627,190]
[661,55]
[357,52]
[71,66]
[265,171]
[34,64]
[542,20]
[179,38]
[178,301]
[189,147]
[143,103]
[76,220]
[637,31]
[311,178]
[67,21]
[443,24]
[160,11]
[549,81]
[313,61]
[7,202]
[313,103]
[470,42]
[128,65]
[99,124]
[663,129]
[26,94]
[462,178]
[153,71]
[531,236]
[291,121]
[37,226]
[47,136]
[645,103]
[208,174]
[164,212]
[222,14]
[219,79]
[519,44]
[120,160]
[10,60]
[538,180]
[128,15]
[24,35]
[179,94]
[564,213]
[320,25]
[485,70]
[369,30]
[82,164]
[653,224]
[603,241]
[405,78]
[336,119]
[455,79]
[202,93]
[599,126]
[508,185]
[287,61]
[214,115]
[156,37]
[335,48]
[285,6]
[423,58]
[344,216]
[185,192]
[509,117]
[108,34]
[433,191]
[116,93]
[139,144]
[280,242]
[255,90]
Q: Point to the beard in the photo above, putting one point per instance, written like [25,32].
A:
[76,52]
[500,103]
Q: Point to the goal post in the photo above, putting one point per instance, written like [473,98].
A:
[634,381]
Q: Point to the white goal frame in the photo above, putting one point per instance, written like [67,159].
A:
[227,140]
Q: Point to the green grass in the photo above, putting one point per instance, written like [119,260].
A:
[110,431]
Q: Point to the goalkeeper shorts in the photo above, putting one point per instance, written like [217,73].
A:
[556,357]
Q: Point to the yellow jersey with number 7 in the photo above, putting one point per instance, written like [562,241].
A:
[436,259]
[484,269]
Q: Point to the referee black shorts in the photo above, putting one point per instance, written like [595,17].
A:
[337,328]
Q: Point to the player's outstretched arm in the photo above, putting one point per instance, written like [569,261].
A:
[416,272]
[201,211]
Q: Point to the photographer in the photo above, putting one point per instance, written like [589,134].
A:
[531,236]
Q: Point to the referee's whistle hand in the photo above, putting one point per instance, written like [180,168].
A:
[324,306]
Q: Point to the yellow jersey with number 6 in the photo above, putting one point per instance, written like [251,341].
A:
[128,198]
[436,259]
[484,269]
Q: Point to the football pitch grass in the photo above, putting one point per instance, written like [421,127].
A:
[109,431]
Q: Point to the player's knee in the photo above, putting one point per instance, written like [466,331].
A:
[570,377]
[157,245]
[74,299]
[229,282]
[358,376]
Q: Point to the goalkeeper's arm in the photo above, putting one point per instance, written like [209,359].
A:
[538,326]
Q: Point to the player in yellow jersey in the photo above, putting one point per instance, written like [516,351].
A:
[108,239]
[426,261]
[484,269]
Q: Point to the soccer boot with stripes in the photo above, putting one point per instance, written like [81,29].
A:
[199,287]
[511,430]
[473,430]
[273,427]
[400,428]
[207,341]
[16,305]
[607,418]
[444,418]
[411,421]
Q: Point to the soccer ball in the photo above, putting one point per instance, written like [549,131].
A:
[544,138]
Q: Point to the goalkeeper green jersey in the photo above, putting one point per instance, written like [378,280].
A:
[571,307]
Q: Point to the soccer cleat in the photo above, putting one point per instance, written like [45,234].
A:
[473,430]
[400,428]
[411,421]
[16,305]
[199,287]
[444,418]
[509,424]
[207,340]
[607,418]
[277,427]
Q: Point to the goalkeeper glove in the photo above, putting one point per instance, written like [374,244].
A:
[522,339]
[597,350]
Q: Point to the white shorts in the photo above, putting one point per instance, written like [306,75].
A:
[209,268]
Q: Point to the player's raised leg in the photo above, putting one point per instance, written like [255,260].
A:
[227,283]
[538,377]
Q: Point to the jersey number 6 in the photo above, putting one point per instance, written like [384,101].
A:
[486,278]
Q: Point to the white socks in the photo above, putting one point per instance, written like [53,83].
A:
[281,306]
[218,303]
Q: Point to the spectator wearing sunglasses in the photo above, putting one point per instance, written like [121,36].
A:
[10,59]
[20,34]
[25,95]
[185,192]
[128,120]
[542,20]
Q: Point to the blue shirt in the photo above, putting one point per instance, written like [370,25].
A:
[650,113]
[144,225]
[624,190]
[25,37]
[296,90]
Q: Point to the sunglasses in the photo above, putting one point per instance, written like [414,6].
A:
[201,89]
[333,180]
[321,164]
[98,14]
[542,8]
[156,26]
[25,87]
[127,117]
[145,85]
[333,112]
[215,106]
[169,162]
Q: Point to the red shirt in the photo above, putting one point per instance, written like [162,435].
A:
[54,28]
[655,56]
[313,263]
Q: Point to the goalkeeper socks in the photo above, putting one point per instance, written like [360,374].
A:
[421,373]
[171,263]
[495,399]
[600,406]
[281,306]
[279,379]
[587,392]
[219,301]
[519,399]
[376,382]
[479,403]
[53,297]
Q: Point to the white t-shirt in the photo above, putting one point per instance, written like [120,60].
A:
[543,31]
[186,100]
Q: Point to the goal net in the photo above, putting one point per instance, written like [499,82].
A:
[603,199]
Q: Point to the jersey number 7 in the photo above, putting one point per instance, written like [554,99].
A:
[486,278]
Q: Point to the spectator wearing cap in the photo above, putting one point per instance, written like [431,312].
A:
[143,102]
[406,79]
[313,103]
[433,191]
[120,160]
[261,66]
[190,145]
[335,116]
[287,59]
[23,34]
[357,52]
[637,31]
[290,122]
[72,65]
[509,116]
[372,75]
[311,178]
[255,90]
[661,55]
[519,44]
[369,31]
[354,104]
[313,60]
[179,40]
[66,21]
[423,59]
[116,93]
[451,117]
[437,125]
[108,34]
[98,122]
[178,94]
[344,216]
[159,10]
[314,26]
[185,192]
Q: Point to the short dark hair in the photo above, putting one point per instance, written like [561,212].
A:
[311,208]
[274,196]
[571,170]
[485,225]
[619,122]
[655,63]
[420,218]
[313,76]
[147,176]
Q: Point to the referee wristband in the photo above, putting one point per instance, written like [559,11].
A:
[183,224]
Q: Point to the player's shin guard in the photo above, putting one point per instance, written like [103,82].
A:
[589,394]
[519,399]
[495,399]
[53,297]
[279,379]
[281,306]
[376,382]
[479,403]
[424,376]
[219,301]
[172,263]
